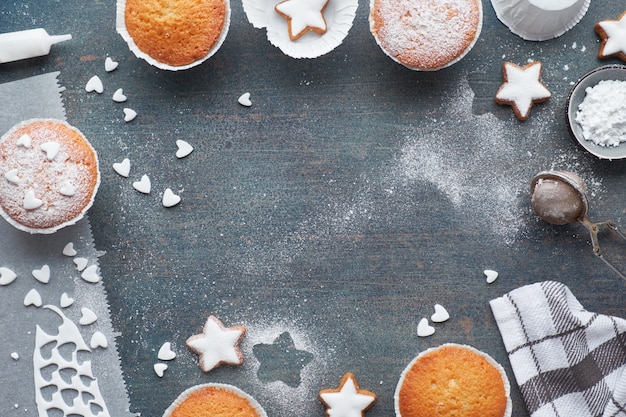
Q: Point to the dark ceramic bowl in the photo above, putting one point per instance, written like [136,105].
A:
[577,95]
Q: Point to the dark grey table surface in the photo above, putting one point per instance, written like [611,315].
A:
[350,198]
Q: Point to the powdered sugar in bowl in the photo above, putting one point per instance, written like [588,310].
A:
[596,117]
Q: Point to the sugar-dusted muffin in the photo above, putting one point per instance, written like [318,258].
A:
[214,400]
[453,381]
[426,35]
[49,175]
[173,34]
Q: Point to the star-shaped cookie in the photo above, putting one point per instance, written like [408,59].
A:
[303,16]
[217,345]
[348,400]
[522,88]
[613,35]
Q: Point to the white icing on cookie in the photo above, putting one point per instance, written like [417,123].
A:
[217,344]
[616,36]
[303,16]
[522,87]
[348,400]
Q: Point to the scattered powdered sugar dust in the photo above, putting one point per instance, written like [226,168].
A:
[288,401]
[460,154]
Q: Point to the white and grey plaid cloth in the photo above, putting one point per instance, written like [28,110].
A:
[568,362]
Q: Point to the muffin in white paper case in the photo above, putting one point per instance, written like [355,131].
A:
[338,14]
[167,13]
[540,20]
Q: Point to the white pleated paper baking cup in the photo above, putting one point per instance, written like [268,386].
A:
[534,23]
[120,26]
[339,15]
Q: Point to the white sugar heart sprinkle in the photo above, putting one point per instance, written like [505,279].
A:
[51,149]
[15,356]
[69,250]
[42,275]
[90,274]
[119,96]
[66,300]
[12,176]
[7,276]
[184,149]
[159,369]
[81,263]
[491,275]
[109,64]
[94,84]
[33,298]
[244,100]
[143,185]
[169,198]
[440,315]
[67,189]
[98,340]
[25,141]
[129,114]
[166,353]
[424,329]
[87,317]
[122,168]
[31,202]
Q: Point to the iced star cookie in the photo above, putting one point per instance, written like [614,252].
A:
[49,175]
[214,400]
[348,400]
[522,88]
[217,345]
[303,28]
[613,35]
[303,16]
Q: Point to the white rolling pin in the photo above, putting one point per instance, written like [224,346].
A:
[27,44]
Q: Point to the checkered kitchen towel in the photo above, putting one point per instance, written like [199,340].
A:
[568,362]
